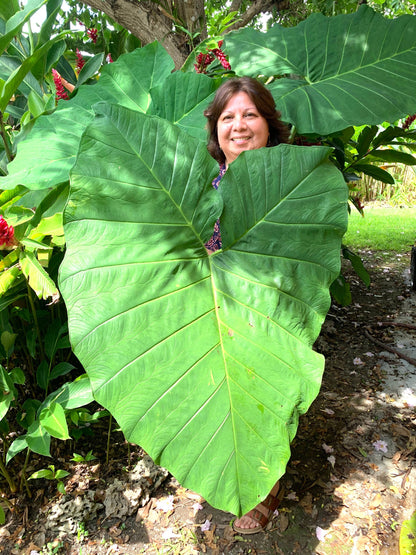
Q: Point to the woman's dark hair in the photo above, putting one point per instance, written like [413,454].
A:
[262,98]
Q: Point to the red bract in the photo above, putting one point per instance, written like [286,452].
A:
[93,34]
[60,91]
[6,233]
[408,122]
[80,61]
[202,62]
[221,57]
[109,58]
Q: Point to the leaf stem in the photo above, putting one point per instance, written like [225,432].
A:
[35,319]
[9,479]
[23,474]
[4,137]
[107,455]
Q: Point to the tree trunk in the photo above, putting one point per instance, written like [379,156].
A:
[147,21]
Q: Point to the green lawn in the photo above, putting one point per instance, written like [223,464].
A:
[382,228]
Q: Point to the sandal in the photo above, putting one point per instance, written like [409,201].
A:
[270,503]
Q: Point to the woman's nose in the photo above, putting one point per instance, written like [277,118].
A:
[239,122]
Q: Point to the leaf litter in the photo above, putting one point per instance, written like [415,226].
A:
[349,485]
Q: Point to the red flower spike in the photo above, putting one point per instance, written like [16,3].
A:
[80,61]
[93,34]
[109,59]
[6,233]
[221,57]
[60,91]
[408,122]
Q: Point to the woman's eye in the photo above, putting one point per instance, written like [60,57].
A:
[225,118]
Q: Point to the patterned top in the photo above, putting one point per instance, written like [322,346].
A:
[215,243]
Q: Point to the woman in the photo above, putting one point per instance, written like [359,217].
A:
[243,116]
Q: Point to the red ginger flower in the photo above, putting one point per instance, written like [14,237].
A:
[60,91]
[93,34]
[218,53]
[202,61]
[109,58]
[6,233]
[408,122]
[80,61]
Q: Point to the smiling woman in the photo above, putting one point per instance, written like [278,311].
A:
[241,127]
[243,116]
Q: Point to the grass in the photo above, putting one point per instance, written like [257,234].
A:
[382,228]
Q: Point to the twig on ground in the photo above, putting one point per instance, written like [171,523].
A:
[390,349]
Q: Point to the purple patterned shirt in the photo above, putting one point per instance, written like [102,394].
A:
[215,243]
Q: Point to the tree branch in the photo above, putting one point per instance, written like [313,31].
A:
[235,5]
[146,21]
[256,8]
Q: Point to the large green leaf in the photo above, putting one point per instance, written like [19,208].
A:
[182,98]
[204,361]
[16,22]
[8,64]
[7,9]
[334,71]
[126,82]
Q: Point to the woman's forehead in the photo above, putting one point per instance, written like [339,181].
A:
[239,100]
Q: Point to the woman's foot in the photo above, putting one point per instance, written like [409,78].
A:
[258,518]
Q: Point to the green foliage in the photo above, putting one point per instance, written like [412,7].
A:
[327,78]
[408,536]
[51,474]
[80,458]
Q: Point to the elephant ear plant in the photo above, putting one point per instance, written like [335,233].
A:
[205,361]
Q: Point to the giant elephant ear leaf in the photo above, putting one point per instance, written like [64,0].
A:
[126,82]
[182,98]
[334,72]
[206,362]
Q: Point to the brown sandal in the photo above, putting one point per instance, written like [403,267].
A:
[271,503]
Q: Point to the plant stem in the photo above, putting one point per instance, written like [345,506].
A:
[35,319]
[4,137]
[128,453]
[107,455]
[9,479]
[23,474]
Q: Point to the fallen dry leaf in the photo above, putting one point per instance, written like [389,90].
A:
[306,503]
[283,522]
[376,502]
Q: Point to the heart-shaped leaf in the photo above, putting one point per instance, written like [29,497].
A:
[206,362]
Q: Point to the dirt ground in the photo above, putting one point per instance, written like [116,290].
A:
[348,487]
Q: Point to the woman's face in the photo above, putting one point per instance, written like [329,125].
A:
[241,127]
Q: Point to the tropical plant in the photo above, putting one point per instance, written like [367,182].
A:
[141,185]
[51,474]
[202,347]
